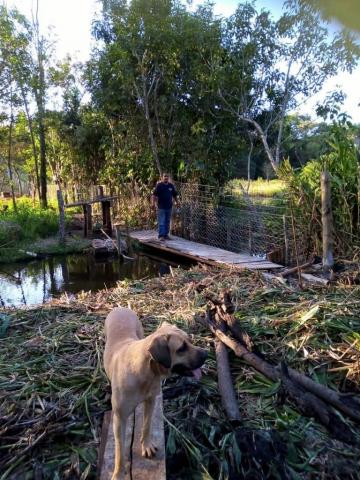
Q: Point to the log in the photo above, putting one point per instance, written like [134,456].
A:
[226,388]
[347,403]
[312,406]
[308,404]
[314,280]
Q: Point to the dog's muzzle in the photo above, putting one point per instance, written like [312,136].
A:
[193,369]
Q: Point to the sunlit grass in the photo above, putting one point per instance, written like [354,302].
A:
[259,187]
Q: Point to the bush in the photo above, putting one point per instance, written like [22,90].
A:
[28,222]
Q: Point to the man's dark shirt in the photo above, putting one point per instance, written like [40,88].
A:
[165,192]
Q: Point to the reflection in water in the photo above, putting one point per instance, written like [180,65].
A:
[38,281]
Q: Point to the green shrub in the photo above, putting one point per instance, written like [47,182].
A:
[27,222]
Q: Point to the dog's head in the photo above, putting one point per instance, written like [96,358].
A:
[171,348]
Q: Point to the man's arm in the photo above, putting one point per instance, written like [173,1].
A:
[175,196]
[154,195]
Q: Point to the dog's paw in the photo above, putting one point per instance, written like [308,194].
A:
[148,449]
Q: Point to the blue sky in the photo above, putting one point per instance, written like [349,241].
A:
[71,25]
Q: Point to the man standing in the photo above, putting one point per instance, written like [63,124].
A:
[165,194]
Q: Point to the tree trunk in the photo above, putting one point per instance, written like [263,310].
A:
[150,128]
[40,101]
[61,216]
[32,136]
[9,158]
[327,222]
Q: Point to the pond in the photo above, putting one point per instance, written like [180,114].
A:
[37,281]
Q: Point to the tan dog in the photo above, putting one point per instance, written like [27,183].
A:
[135,366]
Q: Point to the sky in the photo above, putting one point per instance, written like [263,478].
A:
[70,21]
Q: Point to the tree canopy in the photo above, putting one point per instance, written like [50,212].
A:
[205,97]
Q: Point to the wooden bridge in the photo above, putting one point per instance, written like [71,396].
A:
[202,253]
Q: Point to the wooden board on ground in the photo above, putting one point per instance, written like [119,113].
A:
[140,467]
[203,253]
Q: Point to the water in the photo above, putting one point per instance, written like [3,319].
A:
[38,281]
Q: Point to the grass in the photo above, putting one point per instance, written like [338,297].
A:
[29,228]
[54,390]
[28,222]
[259,187]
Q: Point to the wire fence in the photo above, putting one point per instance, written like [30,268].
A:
[235,221]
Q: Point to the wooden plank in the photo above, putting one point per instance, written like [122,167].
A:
[90,201]
[203,253]
[137,467]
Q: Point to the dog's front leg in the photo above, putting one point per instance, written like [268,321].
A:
[148,448]
[119,425]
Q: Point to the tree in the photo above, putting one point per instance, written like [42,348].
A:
[150,73]
[271,67]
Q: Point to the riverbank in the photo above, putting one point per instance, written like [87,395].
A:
[28,250]
[54,390]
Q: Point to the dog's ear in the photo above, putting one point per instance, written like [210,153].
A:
[160,352]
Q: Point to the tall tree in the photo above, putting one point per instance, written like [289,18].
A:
[275,66]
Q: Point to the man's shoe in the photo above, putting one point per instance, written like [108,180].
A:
[162,239]
[167,237]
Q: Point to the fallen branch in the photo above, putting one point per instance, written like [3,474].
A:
[115,245]
[289,271]
[312,406]
[308,404]
[346,403]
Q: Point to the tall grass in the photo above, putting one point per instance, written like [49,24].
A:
[342,162]
[28,222]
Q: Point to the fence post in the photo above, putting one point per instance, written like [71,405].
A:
[327,222]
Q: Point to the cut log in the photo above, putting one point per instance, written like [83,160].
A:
[226,388]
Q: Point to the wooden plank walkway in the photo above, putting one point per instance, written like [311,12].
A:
[137,467]
[202,253]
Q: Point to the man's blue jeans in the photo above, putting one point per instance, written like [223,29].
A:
[164,217]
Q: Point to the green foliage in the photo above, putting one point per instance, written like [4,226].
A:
[259,187]
[342,162]
[29,222]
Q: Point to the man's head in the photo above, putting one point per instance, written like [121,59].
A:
[165,177]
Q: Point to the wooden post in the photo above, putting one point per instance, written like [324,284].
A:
[60,200]
[100,191]
[106,216]
[327,222]
[87,210]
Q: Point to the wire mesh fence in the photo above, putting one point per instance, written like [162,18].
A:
[235,221]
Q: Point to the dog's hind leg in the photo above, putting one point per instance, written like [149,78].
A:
[148,448]
[119,425]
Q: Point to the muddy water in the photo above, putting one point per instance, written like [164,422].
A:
[38,281]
